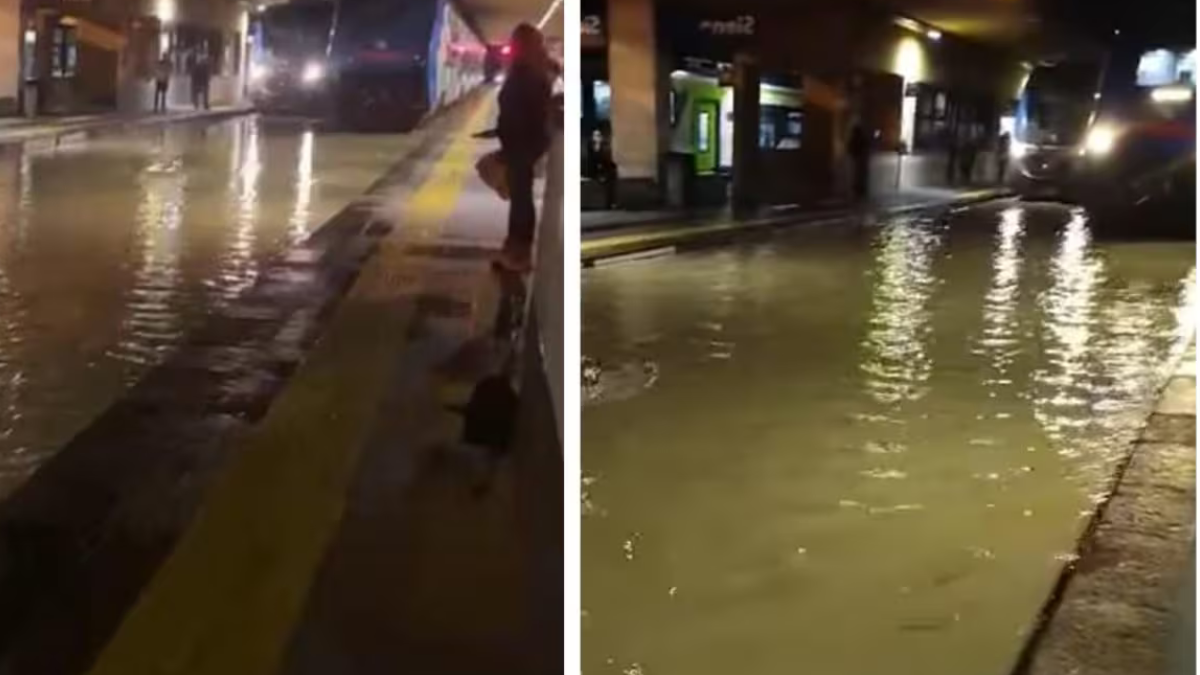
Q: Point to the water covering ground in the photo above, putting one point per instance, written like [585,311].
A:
[860,450]
[113,246]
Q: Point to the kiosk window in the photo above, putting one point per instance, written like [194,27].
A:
[64,57]
[780,128]
[703,142]
[602,95]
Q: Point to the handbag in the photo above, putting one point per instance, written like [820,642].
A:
[493,172]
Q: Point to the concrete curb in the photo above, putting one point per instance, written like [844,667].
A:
[1125,606]
[695,236]
[16,136]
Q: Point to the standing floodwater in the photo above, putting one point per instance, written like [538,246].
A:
[112,247]
[862,452]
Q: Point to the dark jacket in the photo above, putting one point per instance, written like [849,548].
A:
[859,146]
[201,73]
[523,126]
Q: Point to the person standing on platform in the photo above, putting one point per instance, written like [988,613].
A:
[162,82]
[968,153]
[859,149]
[1003,148]
[524,132]
[603,168]
[201,78]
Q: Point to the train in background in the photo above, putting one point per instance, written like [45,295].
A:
[1116,134]
[365,65]
[290,55]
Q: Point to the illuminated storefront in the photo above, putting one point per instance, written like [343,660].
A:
[662,75]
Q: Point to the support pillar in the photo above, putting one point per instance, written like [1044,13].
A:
[633,78]
[11,40]
[746,78]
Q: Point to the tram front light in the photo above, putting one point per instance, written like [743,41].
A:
[1100,140]
[313,73]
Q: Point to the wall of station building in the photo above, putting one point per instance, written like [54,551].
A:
[850,62]
[11,35]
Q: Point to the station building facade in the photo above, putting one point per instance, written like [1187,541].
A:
[98,56]
[708,106]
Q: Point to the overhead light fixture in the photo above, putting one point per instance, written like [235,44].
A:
[933,34]
[165,10]
[550,10]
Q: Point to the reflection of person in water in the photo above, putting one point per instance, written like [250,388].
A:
[603,169]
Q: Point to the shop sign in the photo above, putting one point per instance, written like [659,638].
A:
[708,36]
[591,31]
[741,26]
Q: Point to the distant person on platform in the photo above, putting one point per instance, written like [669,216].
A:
[603,168]
[1003,150]
[859,149]
[162,82]
[201,81]
[524,132]
[967,155]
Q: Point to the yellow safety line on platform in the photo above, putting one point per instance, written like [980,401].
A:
[229,596]
[661,236]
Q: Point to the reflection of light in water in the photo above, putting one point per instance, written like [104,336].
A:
[238,268]
[16,460]
[1000,340]
[304,188]
[1185,312]
[1068,306]
[722,287]
[154,323]
[24,197]
[1136,346]
[896,361]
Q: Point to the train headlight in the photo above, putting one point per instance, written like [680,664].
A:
[1017,149]
[1169,95]
[313,73]
[1100,140]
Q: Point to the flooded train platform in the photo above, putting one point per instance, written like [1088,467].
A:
[860,450]
[114,245]
[309,508]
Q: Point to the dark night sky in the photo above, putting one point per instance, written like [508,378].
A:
[1168,21]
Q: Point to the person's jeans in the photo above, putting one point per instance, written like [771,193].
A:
[861,175]
[522,214]
[160,97]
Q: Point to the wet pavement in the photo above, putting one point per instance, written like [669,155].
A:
[615,243]
[114,245]
[864,449]
[347,531]
[1129,604]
